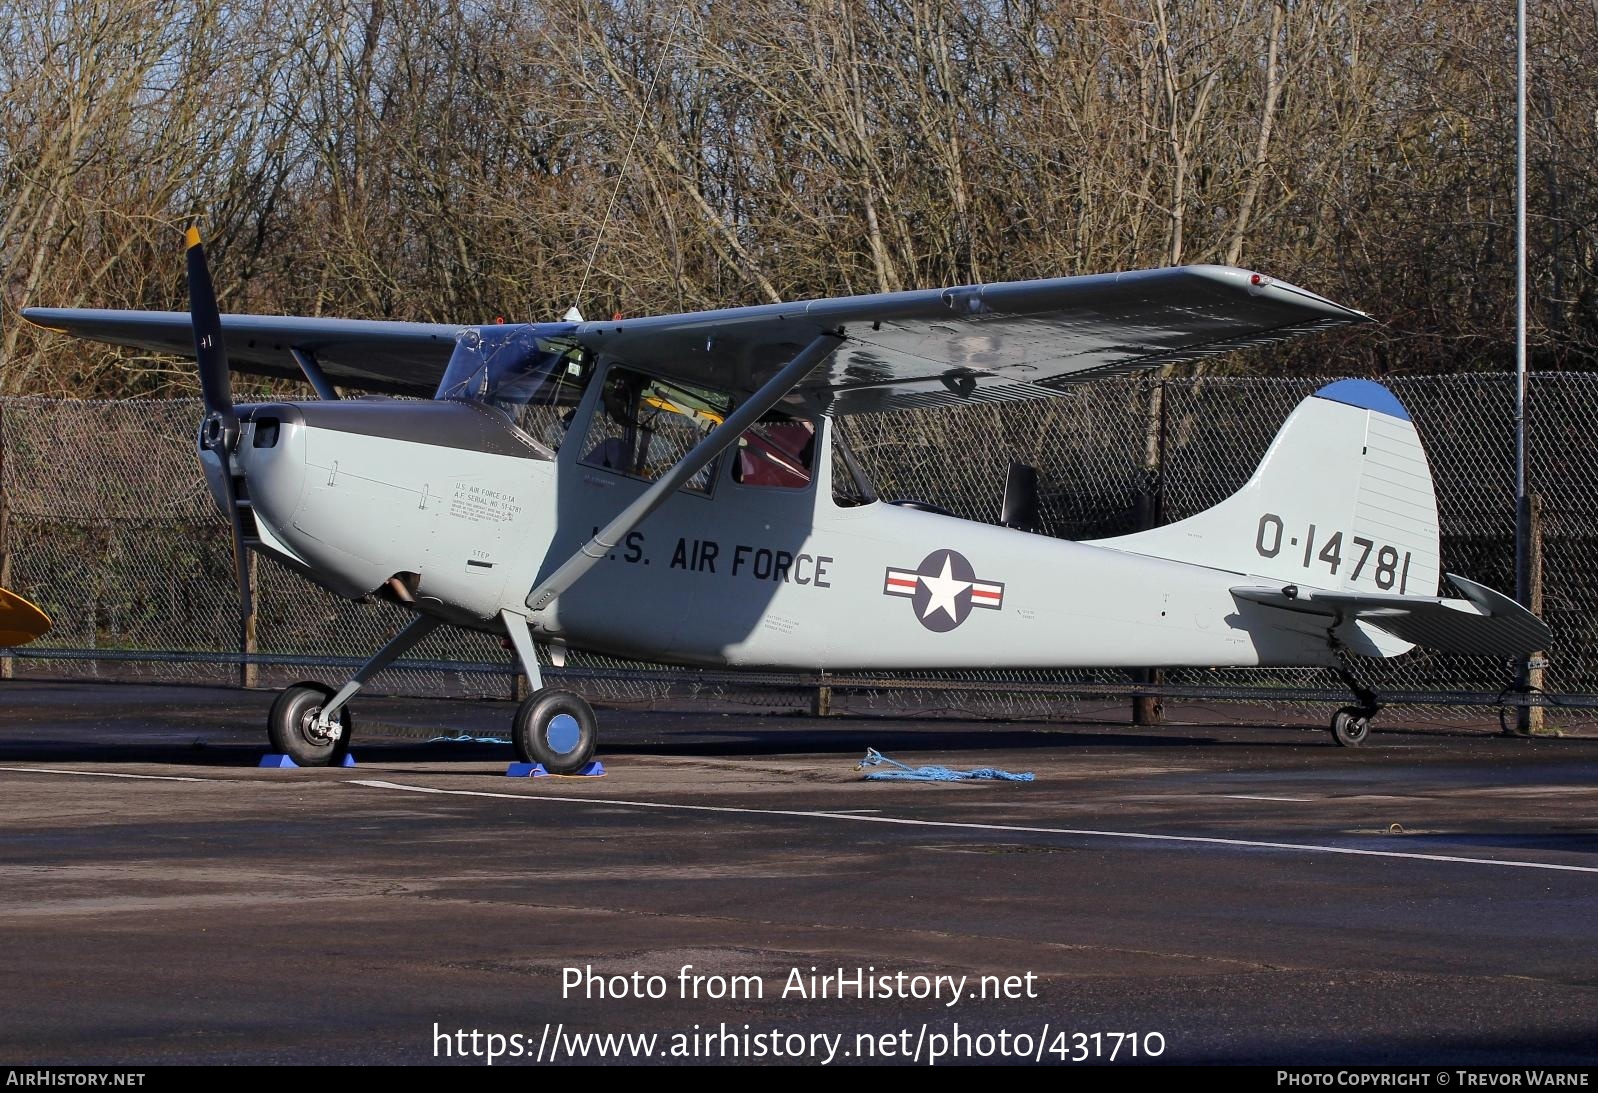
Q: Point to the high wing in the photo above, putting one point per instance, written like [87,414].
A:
[978,343]
[393,357]
[1484,623]
[936,347]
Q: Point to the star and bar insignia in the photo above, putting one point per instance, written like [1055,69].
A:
[944,588]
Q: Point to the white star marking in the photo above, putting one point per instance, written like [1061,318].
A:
[944,589]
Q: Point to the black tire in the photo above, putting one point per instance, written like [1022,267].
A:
[291,726]
[557,729]
[1350,726]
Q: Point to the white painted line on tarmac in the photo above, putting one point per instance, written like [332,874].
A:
[105,774]
[1259,797]
[1139,836]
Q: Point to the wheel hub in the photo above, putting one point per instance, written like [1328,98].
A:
[563,733]
[318,730]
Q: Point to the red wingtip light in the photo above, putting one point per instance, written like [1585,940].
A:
[1258,280]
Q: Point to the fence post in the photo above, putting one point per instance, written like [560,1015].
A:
[520,686]
[249,673]
[1529,719]
[822,706]
[1150,709]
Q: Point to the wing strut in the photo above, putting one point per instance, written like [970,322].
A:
[698,458]
[313,373]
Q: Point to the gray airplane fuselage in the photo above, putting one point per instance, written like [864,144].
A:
[470,513]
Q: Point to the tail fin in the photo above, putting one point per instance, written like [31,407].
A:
[1343,500]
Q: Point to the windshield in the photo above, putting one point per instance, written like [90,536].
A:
[535,376]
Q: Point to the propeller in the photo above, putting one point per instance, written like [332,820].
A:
[219,431]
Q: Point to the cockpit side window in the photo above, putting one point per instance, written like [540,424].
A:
[644,425]
[535,378]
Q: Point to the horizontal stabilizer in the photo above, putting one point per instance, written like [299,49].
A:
[1484,623]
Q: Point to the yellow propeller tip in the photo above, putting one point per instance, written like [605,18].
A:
[191,238]
[20,621]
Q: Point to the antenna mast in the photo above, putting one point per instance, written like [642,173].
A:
[574,314]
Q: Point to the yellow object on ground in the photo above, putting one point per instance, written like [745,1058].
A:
[20,621]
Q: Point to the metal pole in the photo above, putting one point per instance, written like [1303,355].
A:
[1522,499]
[1523,530]
[7,664]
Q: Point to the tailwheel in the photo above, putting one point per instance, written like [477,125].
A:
[557,729]
[295,729]
[1351,725]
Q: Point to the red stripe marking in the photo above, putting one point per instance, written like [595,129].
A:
[900,582]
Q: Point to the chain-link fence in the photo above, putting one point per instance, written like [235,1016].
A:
[105,522]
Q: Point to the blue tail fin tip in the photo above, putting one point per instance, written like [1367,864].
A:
[1367,395]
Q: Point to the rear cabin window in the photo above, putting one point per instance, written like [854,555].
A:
[778,452]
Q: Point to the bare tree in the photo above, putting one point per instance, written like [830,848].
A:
[427,160]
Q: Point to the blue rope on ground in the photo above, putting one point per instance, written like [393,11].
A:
[905,773]
[463,739]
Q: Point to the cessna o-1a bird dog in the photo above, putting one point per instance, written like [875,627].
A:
[680,489]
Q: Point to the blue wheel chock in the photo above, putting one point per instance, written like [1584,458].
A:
[282,762]
[593,769]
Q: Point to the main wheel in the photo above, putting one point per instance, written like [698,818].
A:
[1350,726]
[292,728]
[557,729]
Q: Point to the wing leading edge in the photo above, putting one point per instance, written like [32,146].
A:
[903,350]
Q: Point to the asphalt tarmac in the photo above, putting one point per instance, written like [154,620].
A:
[1219,894]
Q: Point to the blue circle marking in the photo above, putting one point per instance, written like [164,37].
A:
[563,734]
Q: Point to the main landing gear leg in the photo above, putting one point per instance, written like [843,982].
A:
[553,727]
[309,723]
[1352,724]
